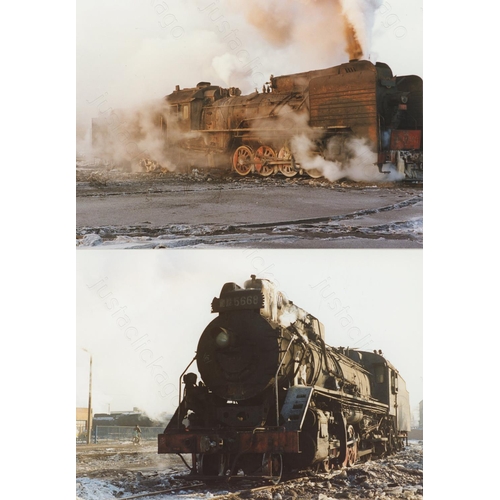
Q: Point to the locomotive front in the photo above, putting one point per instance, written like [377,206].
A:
[238,351]
[247,349]
[274,394]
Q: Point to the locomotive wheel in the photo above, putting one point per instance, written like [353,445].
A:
[393,442]
[261,155]
[352,447]
[320,467]
[314,173]
[286,168]
[272,466]
[243,160]
[325,466]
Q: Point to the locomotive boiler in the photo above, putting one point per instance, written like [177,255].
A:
[209,126]
[273,396]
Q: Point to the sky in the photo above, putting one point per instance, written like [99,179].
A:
[140,313]
[130,52]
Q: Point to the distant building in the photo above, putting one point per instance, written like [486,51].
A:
[126,419]
[418,432]
[82,416]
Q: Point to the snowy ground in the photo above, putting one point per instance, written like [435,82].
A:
[107,472]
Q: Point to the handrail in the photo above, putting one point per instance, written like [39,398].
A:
[292,340]
[180,387]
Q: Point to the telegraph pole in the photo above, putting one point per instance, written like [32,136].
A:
[89,414]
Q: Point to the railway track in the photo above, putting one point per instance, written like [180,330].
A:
[389,477]
[231,488]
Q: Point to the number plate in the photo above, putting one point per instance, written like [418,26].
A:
[241,299]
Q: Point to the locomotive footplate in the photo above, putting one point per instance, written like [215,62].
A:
[261,440]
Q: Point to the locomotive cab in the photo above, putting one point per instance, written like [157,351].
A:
[186,105]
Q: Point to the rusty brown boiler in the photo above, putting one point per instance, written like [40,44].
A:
[274,397]
[253,133]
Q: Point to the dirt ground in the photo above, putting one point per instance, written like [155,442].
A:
[107,471]
[166,210]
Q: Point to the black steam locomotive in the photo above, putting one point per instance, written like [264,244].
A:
[275,397]
[210,126]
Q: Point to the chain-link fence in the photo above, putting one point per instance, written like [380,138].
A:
[103,433]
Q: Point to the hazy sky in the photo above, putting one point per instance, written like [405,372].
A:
[131,51]
[369,299]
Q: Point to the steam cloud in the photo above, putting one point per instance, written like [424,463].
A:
[359,165]
[352,158]
[130,136]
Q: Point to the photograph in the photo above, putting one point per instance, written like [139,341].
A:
[249,249]
[231,293]
[212,372]
[265,124]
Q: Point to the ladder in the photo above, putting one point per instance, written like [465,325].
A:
[295,406]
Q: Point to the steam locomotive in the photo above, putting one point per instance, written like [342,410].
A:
[275,397]
[211,126]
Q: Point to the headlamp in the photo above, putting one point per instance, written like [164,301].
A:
[223,338]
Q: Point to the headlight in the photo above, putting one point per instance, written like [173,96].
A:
[223,338]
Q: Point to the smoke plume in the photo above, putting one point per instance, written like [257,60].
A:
[316,25]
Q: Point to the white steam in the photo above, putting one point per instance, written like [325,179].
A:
[288,318]
[359,162]
[127,137]
[229,70]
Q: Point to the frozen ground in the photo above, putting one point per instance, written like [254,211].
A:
[117,210]
[107,472]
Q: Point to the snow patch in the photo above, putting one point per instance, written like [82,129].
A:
[90,240]
[95,489]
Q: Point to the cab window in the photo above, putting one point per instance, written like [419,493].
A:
[394,382]
[379,374]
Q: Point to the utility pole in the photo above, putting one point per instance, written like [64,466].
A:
[89,414]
